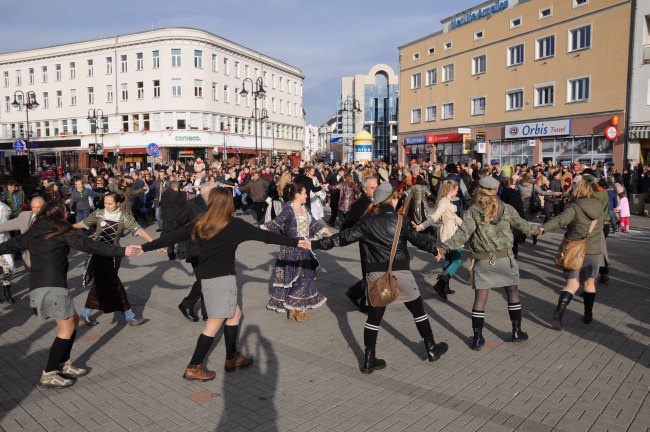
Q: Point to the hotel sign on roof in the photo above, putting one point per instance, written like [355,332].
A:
[479,13]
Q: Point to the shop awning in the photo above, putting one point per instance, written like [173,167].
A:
[640,132]
[126,150]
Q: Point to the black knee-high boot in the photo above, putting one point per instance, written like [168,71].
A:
[478,318]
[514,310]
[589,299]
[7,294]
[562,303]
[370,362]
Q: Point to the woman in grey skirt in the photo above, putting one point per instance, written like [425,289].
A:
[583,214]
[49,240]
[219,235]
[376,232]
[487,225]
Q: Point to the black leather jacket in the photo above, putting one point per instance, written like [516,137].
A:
[376,232]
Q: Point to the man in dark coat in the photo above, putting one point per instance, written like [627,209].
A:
[308,183]
[333,179]
[357,293]
[172,203]
[194,208]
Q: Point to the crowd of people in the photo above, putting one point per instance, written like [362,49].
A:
[437,208]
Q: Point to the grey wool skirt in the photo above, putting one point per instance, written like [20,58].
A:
[220,296]
[52,302]
[408,288]
[503,272]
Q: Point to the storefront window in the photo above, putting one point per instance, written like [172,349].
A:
[449,152]
[511,152]
[587,149]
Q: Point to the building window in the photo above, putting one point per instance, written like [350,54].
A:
[156,88]
[432,76]
[578,3]
[91,95]
[478,35]
[447,45]
[431,51]
[545,47]
[19,78]
[125,123]
[73,70]
[226,94]
[544,95]
[176,57]
[416,81]
[516,55]
[73,97]
[109,93]
[416,115]
[546,12]
[448,111]
[580,38]
[478,106]
[156,59]
[7,103]
[448,73]
[215,63]
[226,65]
[281,84]
[140,88]
[6,77]
[46,99]
[237,69]
[123,64]
[215,91]
[59,98]
[73,123]
[479,64]
[416,56]
[57,69]
[109,65]
[90,66]
[198,88]
[176,87]
[432,113]
[44,74]
[139,61]
[515,23]
[31,75]
[274,104]
[198,59]
[514,100]
[124,87]
[578,89]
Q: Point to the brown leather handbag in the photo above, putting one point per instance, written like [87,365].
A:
[385,289]
[571,253]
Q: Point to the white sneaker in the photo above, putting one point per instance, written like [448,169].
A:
[54,380]
[70,370]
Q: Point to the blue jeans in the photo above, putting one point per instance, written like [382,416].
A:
[612,217]
[452,262]
[159,218]
[81,214]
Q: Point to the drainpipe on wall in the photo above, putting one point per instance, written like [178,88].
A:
[628,101]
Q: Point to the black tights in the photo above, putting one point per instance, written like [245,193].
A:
[375,315]
[480,299]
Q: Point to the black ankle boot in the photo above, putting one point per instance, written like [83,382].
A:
[7,292]
[517,334]
[370,362]
[447,278]
[434,350]
[478,341]
[439,286]
[562,303]
[589,307]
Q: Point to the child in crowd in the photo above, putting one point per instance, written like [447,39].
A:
[624,209]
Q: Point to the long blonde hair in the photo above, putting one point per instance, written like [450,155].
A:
[285,179]
[218,215]
[447,186]
[488,200]
[582,189]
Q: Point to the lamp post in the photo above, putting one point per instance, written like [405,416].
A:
[97,121]
[274,130]
[226,128]
[352,105]
[257,89]
[29,101]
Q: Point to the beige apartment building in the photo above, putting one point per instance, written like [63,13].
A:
[518,81]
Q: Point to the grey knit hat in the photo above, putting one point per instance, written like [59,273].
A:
[489,182]
[382,193]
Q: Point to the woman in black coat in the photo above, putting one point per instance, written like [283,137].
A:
[509,195]
[49,240]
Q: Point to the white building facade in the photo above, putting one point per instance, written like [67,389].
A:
[178,88]
[639,109]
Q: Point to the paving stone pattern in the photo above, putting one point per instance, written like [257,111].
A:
[306,375]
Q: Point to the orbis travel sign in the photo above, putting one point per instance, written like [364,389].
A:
[478,14]
[539,129]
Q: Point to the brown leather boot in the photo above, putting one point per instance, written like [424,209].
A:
[298,315]
[239,361]
[197,373]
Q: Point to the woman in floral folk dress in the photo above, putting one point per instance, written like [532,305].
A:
[294,276]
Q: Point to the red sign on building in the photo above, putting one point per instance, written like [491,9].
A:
[444,138]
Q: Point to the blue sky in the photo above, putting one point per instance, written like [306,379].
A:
[325,39]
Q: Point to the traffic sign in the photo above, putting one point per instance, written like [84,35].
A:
[611,133]
[19,146]
[153,149]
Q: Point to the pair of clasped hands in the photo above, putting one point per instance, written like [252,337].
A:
[136,250]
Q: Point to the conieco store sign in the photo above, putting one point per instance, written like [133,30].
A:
[474,15]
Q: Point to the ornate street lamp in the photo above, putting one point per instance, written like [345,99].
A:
[29,101]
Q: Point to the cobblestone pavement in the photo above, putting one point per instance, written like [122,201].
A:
[306,376]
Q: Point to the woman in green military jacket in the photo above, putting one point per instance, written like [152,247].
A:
[487,225]
[107,292]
